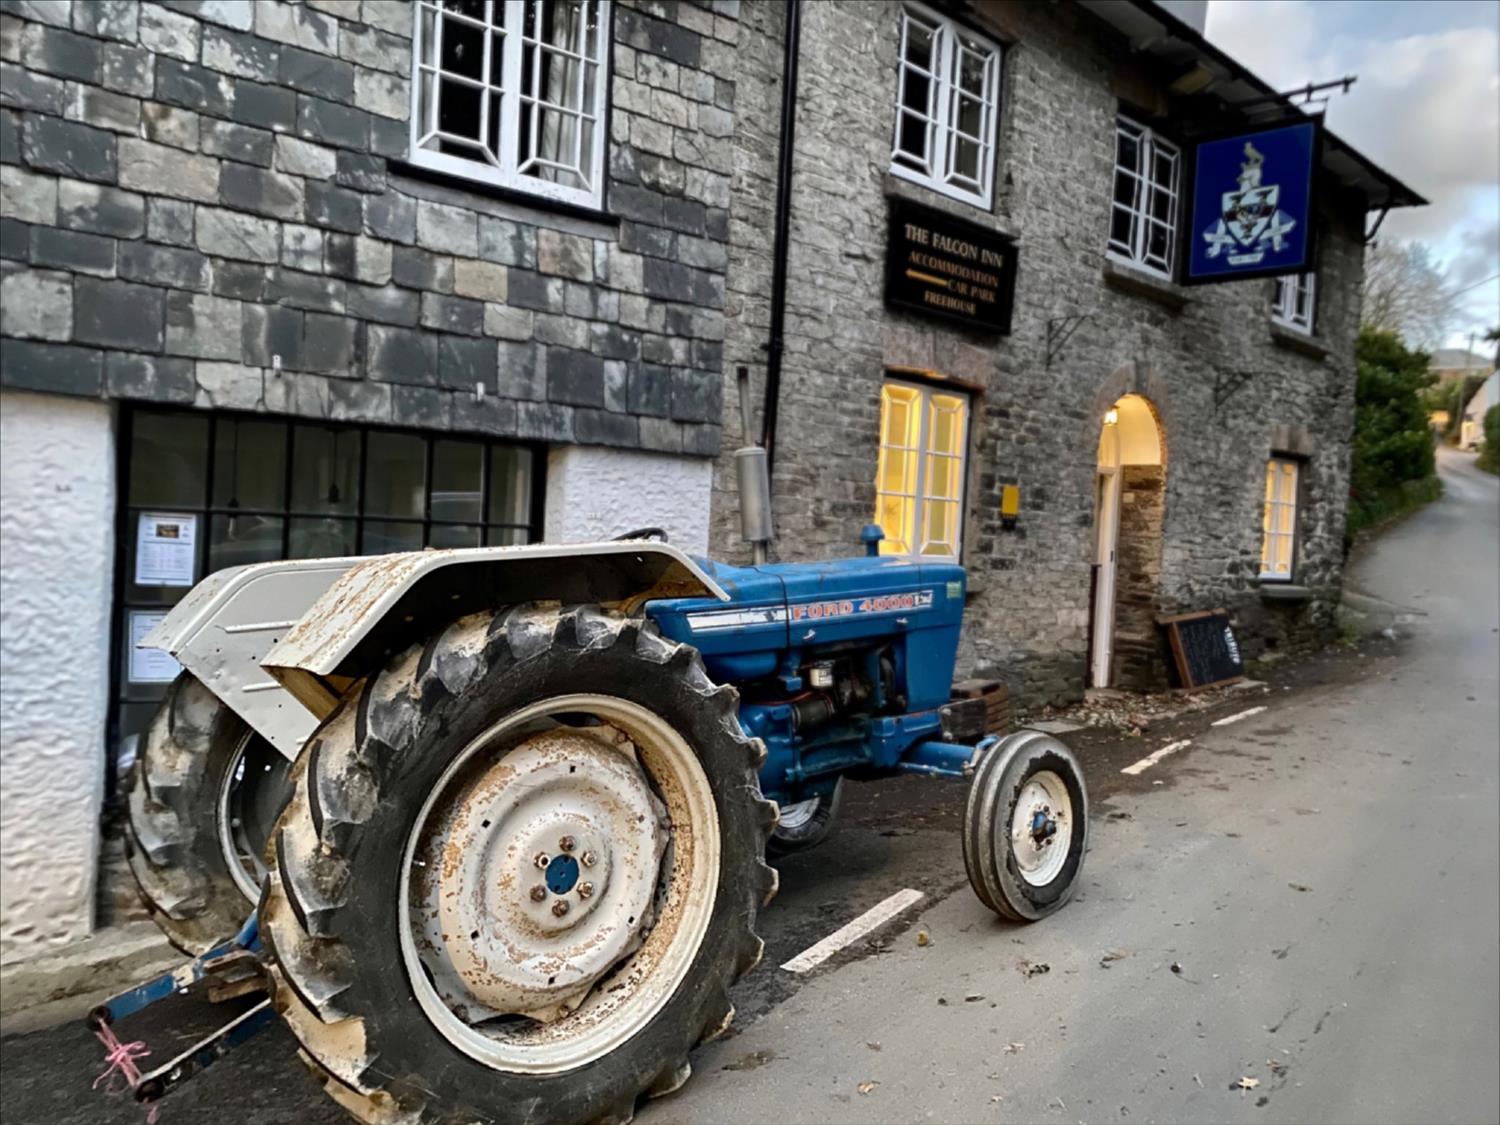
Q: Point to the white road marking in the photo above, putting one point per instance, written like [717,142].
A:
[1151,759]
[1236,717]
[871,920]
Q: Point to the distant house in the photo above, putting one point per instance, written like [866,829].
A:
[1453,364]
[1471,429]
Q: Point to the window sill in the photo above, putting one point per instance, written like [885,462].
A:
[1284,592]
[1285,337]
[524,200]
[895,186]
[1133,279]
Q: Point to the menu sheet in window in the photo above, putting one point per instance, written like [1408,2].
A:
[166,549]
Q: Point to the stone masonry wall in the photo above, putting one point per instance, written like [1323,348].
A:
[191,189]
[1227,387]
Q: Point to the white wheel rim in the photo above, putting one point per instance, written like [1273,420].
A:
[797,814]
[246,868]
[1041,828]
[648,852]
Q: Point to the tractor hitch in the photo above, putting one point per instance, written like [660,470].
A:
[230,970]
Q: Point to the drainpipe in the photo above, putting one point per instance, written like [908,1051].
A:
[776,344]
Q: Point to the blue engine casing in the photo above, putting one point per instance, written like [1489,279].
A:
[889,626]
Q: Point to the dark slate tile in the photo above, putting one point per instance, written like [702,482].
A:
[267,107]
[69,148]
[149,377]
[193,86]
[73,250]
[54,368]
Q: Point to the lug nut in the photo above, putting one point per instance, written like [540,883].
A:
[567,843]
[560,907]
[541,860]
[538,893]
[585,890]
[589,859]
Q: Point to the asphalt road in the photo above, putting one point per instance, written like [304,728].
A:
[1323,876]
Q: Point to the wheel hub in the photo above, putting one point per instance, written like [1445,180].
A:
[1040,828]
[539,875]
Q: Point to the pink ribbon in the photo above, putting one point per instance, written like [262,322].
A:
[120,1063]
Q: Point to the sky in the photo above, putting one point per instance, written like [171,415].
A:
[1426,108]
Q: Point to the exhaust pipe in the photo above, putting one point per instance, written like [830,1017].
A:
[754,480]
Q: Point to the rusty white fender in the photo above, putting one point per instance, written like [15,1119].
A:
[381,605]
[227,623]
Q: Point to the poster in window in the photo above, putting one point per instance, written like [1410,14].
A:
[166,549]
[1253,205]
[149,665]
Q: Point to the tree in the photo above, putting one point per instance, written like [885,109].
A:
[1407,292]
[1493,337]
[1393,464]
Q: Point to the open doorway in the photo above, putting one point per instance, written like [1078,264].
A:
[1130,503]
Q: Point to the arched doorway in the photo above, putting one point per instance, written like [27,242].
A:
[1130,502]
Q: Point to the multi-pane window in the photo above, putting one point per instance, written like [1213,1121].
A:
[947,91]
[513,92]
[1143,213]
[207,491]
[1294,303]
[919,485]
[1279,524]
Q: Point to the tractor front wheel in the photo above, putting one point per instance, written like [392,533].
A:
[1026,826]
[518,873]
[806,824]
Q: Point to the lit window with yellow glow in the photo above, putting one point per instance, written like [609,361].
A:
[1279,523]
[919,479]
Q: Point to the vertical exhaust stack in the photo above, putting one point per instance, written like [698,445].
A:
[754,480]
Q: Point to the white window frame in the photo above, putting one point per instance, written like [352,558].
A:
[1295,303]
[919,497]
[942,109]
[1270,521]
[507,169]
[1149,145]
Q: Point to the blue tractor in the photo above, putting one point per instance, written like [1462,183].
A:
[500,818]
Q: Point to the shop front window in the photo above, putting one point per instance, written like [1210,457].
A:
[919,485]
[1279,522]
[208,491]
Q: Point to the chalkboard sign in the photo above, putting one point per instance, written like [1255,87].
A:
[1203,648]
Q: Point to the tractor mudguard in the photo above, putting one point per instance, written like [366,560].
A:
[228,622]
[381,605]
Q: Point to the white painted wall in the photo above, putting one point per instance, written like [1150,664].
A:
[595,493]
[57,518]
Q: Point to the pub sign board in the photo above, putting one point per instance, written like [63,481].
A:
[1253,204]
[944,267]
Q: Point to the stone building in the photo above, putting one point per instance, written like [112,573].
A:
[347,276]
[265,296]
[1154,431]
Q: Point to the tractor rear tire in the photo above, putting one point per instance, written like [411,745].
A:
[356,911]
[1026,826]
[202,797]
[801,827]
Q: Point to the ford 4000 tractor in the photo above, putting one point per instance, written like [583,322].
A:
[499,818]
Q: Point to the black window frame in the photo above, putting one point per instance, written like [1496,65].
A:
[122,604]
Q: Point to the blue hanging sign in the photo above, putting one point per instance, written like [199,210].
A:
[1253,204]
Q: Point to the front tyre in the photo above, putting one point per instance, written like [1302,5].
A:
[806,824]
[1026,826]
[518,873]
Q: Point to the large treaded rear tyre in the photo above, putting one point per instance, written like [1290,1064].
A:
[192,755]
[333,917]
[1026,826]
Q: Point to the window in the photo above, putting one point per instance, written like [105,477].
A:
[947,87]
[207,491]
[513,92]
[1279,524]
[1294,303]
[1143,215]
[919,484]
